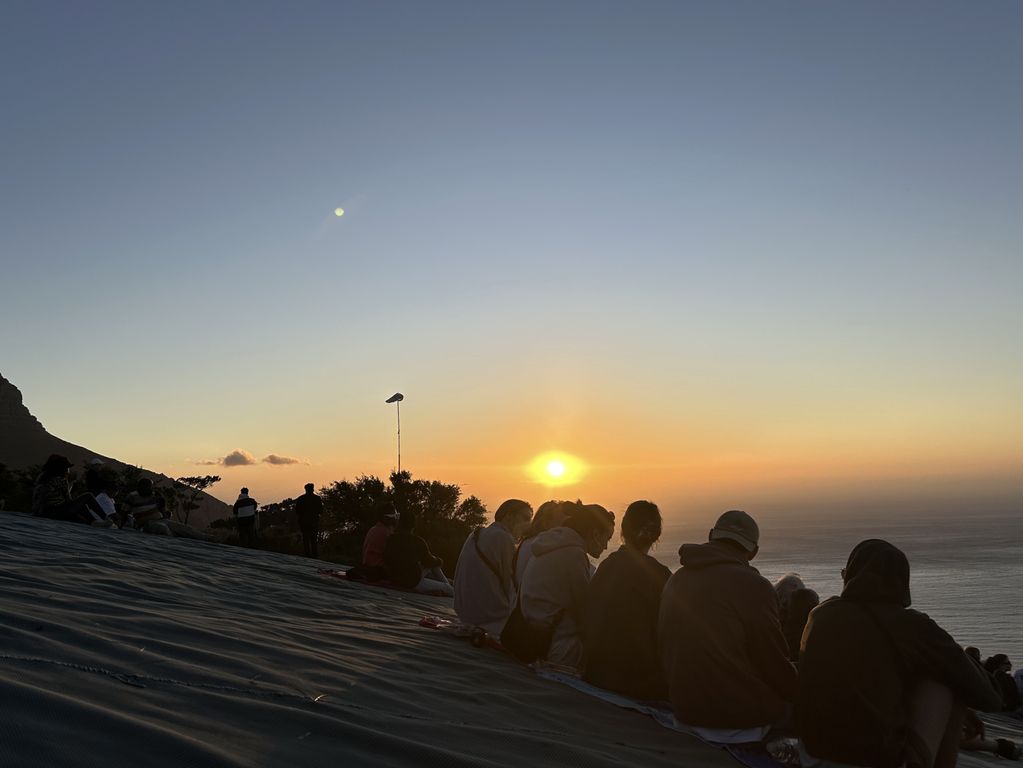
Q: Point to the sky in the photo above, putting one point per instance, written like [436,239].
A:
[718,254]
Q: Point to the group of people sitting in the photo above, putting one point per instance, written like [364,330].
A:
[861,678]
[141,509]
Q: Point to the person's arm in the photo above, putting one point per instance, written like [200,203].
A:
[426,558]
[767,647]
[939,656]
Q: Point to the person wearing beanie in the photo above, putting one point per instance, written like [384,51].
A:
[721,642]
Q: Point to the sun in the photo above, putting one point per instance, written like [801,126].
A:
[339,212]
[555,468]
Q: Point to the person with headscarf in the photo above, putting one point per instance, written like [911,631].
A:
[882,685]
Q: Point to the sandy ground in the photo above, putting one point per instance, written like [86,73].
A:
[118,648]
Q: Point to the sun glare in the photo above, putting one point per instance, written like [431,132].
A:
[555,468]
[339,212]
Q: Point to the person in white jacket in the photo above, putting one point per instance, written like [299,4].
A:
[484,590]
[553,592]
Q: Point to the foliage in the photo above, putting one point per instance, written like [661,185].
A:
[187,491]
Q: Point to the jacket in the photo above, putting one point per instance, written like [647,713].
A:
[861,656]
[721,642]
[484,598]
[406,556]
[553,591]
[308,507]
[620,629]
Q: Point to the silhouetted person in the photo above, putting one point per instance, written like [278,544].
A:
[143,509]
[882,685]
[795,616]
[548,515]
[721,643]
[410,563]
[372,566]
[999,667]
[548,618]
[51,496]
[622,606]
[308,507]
[245,511]
[484,588]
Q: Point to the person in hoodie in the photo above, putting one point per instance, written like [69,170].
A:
[622,604]
[721,642]
[554,585]
[245,511]
[882,685]
[548,515]
[484,589]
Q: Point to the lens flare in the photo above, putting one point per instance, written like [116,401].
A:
[339,212]
[555,468]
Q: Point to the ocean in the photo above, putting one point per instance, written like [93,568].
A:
[964,571]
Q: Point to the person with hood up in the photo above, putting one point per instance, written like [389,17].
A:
[552,598]
[622,604]
[484,589]
[721,642]
[882,685]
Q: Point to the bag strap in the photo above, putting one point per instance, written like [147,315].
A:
[488,562]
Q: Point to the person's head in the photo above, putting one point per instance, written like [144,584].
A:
[245,491]
[56,465]
[998,663]
[785,586]
[548,515]
[800,603]
[641,525]
[407,521]
[877,572]
[387,516]
[594,524]
[144,486]
[515,515]
[973,652]
[309,487]
[738,530]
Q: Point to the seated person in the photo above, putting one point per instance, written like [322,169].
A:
[999,667]
[794,617]
[51,496]
[721,643]
[549,515]
[882,685]
[409,561]
[372,567]
[552,598]
[484,589]
[622,605]
[143,509]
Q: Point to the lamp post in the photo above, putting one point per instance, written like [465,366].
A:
[396,398]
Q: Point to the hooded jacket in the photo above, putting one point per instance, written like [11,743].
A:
[721,642]
[861,656]
[553,591]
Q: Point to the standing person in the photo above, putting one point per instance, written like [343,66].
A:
[721,642]
[484,589]
[622,607]
[546,623]
[51,496]
[245,512]
[308,507]
[882,685]
[410,563]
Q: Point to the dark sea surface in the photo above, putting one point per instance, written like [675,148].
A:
[966,573]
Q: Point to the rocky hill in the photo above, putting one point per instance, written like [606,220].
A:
[24,442]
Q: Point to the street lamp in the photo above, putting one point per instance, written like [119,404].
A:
[396,398]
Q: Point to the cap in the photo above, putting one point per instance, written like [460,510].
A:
[737,526]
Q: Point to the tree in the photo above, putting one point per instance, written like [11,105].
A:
[190,489]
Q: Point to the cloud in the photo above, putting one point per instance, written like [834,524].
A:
[238,458]
[276,460]
[209,462]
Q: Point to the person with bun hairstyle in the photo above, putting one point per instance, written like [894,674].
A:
[622,606]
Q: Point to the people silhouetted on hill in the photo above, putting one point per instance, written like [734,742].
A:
[409,561]
[548,515]
[308,508]
[245,513]
[721,641]
[484,587]
[548,617]
[883,685]
[622,607]
[51,496]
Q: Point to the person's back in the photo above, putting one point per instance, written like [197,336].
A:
[49,492]
[308,508]
[375,543]
[484,589]
[406,555]
[622,606]
[721,641]
[864,654]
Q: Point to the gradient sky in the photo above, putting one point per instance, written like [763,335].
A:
[766,255]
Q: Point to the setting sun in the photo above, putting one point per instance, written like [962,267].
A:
[555,468]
